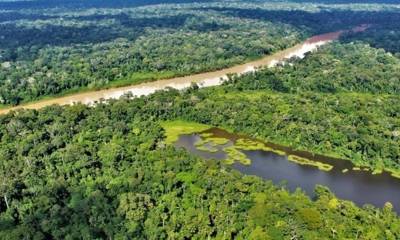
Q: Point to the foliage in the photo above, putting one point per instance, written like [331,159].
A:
[45,53]
[73,46]
[102,172]
[105,172]
[305,161]
[333,68]
[175,128]
[386,36]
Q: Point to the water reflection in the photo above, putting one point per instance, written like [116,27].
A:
[360,187]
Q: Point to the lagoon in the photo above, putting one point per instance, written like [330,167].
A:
[360,186]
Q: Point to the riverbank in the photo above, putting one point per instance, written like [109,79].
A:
[206,79]
[279,163]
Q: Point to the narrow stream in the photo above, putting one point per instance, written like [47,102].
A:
[361,187]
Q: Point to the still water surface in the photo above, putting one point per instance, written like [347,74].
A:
[361,187]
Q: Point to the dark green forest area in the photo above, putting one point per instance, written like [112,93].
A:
[71,46]
[342,100]
[107,172]
[81,172]
[57,51]
[386,36]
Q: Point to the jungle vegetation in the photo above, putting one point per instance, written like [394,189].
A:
[386,36]
[342,101]
[57,51]
[109,172]
[105,172]
[48,48]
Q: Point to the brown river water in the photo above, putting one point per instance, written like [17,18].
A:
[359,186]
[207,79]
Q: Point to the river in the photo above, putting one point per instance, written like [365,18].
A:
[358,186]
[207,79]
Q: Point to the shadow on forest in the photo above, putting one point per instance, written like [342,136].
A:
[13,36]
[345,1]
[125,20]
[14,16]
[318,22]
[14,5]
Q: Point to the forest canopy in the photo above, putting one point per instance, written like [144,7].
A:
[105,172]
[108,171]
[78,47]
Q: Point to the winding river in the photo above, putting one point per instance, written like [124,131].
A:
[207,79]
[360,187]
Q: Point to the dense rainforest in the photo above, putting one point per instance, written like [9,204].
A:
[50,52]
[107,171]
[342,100]
[103,171]
[73,46]
[386,36]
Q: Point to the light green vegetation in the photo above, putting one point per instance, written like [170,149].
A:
[215,141]
[377,171]
[210,144]
[395,174]
[247,144]
[305,161]
[206,135]
[140,77]
[207,148]
[235,155]
[173,129]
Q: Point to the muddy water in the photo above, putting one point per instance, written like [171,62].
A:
[361,187]
[204,79]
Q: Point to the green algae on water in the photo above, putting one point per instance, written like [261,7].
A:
[234,155]
[173,129]
[210,144]
[206,135]
[212,141]
[377,171]
[207,149]
[305,161]
[394,173]
[250,145]
[218,141]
